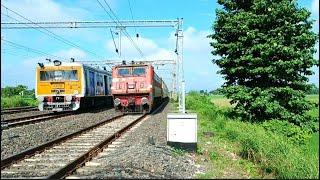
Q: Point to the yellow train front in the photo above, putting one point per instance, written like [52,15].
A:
[62,86]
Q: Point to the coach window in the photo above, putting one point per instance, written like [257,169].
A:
[123,71]
[139,71]
[58,75]
[70,75]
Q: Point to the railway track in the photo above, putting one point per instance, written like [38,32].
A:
[20,121]
[59,158]
[9,123]
[18,110]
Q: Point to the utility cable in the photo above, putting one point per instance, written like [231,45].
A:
[114,43]
[118,22]
[125,31]
[28,48]
[49,33]
[132,17]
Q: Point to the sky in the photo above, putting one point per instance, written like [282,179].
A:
[18,64]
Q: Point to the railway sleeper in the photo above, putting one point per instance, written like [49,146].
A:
[69,155]
[68,148]
[85,141]
[25,164]
[52,160]
[26,173]
[79,144]
[63,151]
[28,167]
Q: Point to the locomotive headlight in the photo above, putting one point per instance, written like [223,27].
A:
[40,98]
[144,100]
[116,101]
[68,98]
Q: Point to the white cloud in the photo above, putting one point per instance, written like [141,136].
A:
[11,75]
[67,54]
[72,53]
[43,10]
[149,48]
[315,14]
[199,71]
[315,7]
[193,40]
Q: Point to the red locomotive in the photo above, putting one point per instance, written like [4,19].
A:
[137,88]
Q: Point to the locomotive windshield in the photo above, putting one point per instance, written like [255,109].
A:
[139,71]
[123,72]
[60,75]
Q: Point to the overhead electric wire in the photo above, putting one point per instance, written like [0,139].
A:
[29,49]
[51,33]
[125,31]
[132,15]
[16,55]
[114,43]
[118,22]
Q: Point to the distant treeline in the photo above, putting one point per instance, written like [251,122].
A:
[19,90]
[313,90]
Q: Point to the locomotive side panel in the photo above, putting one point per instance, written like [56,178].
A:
[157,89]
[90,82]
[97,90]
[165,92]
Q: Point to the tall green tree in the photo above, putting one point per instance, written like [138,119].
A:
[266,51]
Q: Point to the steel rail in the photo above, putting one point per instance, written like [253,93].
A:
[17,108]
[35,120]
[82,158]
[13,111]
[31,151]
[69,168]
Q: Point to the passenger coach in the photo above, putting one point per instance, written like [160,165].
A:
[63,86]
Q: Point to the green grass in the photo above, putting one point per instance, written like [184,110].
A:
[273,149]
[178,151]
[314,99]
[17,101]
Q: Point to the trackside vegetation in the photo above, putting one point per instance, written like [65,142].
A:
[268,149]
[17,97]
[265,51]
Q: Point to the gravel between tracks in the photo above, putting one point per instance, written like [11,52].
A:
[22,114]
[15,140]
[141,157]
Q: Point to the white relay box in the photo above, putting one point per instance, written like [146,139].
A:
[182,128]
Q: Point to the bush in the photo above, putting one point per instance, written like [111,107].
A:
[294,133]
[279,147]
[17,101]
[265,54]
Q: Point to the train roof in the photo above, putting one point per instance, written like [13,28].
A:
[132,65]
[52,64]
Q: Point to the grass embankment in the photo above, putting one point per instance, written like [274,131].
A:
[17,101]
[236,149]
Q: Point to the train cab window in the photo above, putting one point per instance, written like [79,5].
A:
[59,75]
[123,72]
[139,71]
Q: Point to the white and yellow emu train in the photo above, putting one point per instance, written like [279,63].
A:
[63,86]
